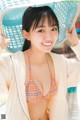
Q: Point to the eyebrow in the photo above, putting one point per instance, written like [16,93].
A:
[45,26]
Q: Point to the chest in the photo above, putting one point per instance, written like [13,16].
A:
[42,76]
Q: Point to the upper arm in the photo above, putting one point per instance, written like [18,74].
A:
[5,73]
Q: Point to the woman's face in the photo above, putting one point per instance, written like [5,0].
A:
[44,36]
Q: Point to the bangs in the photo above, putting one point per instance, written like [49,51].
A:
[41,17]
[34,16]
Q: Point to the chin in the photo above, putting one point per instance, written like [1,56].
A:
[47,51]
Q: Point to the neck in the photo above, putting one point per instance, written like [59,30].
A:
[37,57]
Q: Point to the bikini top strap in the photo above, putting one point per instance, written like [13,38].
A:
[30,68]
[49,68]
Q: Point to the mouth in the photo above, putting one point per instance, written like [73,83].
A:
[47,44]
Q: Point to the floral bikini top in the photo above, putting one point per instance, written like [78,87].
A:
[33,93]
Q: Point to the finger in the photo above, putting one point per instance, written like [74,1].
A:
[7,40]
[73,28]
[68,30]
[0,30]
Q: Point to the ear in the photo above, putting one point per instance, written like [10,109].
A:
[26,35]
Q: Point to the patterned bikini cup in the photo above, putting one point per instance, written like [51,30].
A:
[33,93]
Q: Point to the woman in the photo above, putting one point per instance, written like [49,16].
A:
[37,79]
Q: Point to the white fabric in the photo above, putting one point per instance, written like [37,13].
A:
[67,74]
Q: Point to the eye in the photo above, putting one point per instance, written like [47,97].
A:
[54,29]
[41,31]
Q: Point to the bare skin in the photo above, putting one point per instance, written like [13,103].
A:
[39,111]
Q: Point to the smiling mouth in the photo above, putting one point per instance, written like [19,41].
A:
[47,44]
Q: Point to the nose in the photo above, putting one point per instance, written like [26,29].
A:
[48,36]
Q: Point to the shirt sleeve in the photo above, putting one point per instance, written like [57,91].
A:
[73,68]
[5,73]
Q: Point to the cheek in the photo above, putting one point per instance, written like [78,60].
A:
[35,39]
[56,36]
[35,36]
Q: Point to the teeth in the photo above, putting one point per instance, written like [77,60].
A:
[47,44]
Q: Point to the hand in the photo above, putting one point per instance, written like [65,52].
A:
[72,36]
[3,41]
